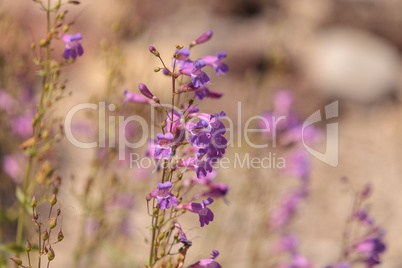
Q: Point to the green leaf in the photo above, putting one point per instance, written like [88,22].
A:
[24,200]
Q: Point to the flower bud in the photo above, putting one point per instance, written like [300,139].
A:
[145,91]
[161,236]
[45,235]
[34,203]
[53,199]
[28,246]
[155,211]
[163,252]
[202,38]
[42,43]
[17,261]
[50,255]
[53,223]
[153,50]
[60,236]
[157,69]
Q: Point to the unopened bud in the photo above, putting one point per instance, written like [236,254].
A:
[42,43]
[34,203]
[53,199]
[60,236]
[74,2]
[163,252]
[57,6]
[161,220]
[28,246]
[65,28]
[58,212]
[45,235]
[202,38]
[145,91]
[153,50]
[155,211]
[35,216]
[50,255]
[17,261]
[161,236]
[157,69]
[53,223]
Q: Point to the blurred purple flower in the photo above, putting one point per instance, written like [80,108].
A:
[72,46]
[12,167]
[7,102]
[22,126]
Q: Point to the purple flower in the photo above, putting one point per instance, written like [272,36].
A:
[282,215]
[165,199]
[163,148]
[72,47]
[207,263]
[136,98]
[204,213]
[216,62]
[199,133]
[198,77]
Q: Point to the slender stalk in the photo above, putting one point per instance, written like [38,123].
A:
[39,245]
[21,217]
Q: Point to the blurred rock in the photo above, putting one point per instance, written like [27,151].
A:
[352,64]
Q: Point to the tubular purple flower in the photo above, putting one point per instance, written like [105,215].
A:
[72,46]
[202,38]
[216,62]
[204,213]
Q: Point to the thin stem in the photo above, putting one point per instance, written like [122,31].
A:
[39,245]
[21,217]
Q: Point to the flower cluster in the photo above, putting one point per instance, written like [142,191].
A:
[190,141]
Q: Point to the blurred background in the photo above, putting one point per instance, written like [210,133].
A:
[320,50]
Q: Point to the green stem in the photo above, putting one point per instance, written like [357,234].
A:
[21,217]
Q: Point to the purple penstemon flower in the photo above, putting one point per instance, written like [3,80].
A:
[163,148]
[198,77]
[216,62]
[164,197]
[72,46]
[204,213]
[207,263]
[199,133]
